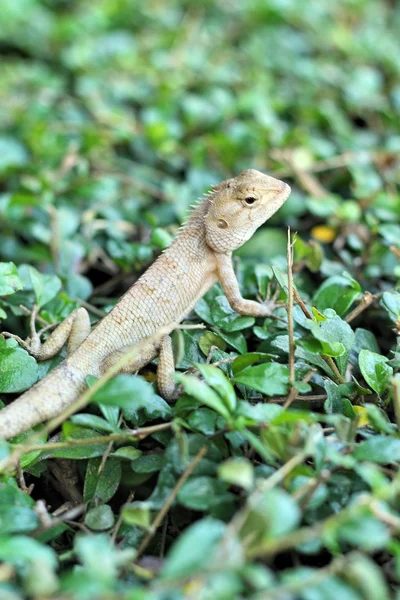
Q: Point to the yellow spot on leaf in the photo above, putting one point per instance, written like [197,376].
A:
[323,233]
[363,420]
[193,586]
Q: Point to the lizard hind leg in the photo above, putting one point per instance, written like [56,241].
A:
[165,368]
[73,330]
[166,371]
[141,356]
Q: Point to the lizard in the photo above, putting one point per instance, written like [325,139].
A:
[199,256]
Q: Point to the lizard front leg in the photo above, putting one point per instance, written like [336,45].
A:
[73,330]
[227,279]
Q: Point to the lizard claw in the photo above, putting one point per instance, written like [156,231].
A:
[24,343]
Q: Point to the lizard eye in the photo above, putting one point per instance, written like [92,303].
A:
[250,200]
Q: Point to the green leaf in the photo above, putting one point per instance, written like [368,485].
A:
[125,391]
[203,394]
[375,370]
[93,422]
[127,452]
[380,449]
[261,412]
[250,358]
[100,558]
[220,383]
[237,471]
[134,395]
[17,514]
[102,486]
[148,463]
[18,370]
[12,153]
[391,303]
[367,577]
[201,493]
[45,287]
[194,550]
[365,532]
[73,432]
[337,292]
[334,401]
[210,339]
[336,338]
[274,515]
[35,562]
[235,339]
[379,419]
[100,518]
[10,281]
[137,513]
[282,279]
[225,317]
[271,379]
[203,420]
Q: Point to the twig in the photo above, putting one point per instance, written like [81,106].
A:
[291,397]
[93,309]
[336,162]
[306,179]
[299,398]
[107,452]
[128,435]
[22,483]
[68,515]
[386,517]
[300,302]
[396,400]
[55,237]
[330,362]
[169,501]
[268,484]
[395,250]
[164,537]
[366,300]
[37,317]
[120,519]
[289,309]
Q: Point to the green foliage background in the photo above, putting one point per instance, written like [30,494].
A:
[115,115]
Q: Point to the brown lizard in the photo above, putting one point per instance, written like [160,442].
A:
[198,257]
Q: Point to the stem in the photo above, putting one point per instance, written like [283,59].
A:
[329,360]
[130,435]
[396,400]
[169,501]
[366,300]
[268,484]
[292,375]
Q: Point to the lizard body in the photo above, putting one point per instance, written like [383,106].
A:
[160,299]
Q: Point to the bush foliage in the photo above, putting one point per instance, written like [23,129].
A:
[115,116]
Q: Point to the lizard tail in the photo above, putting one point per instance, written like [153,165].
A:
[46,399]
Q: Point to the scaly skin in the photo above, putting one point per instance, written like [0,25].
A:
[161,298]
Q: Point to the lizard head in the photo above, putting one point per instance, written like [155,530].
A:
[238,206]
